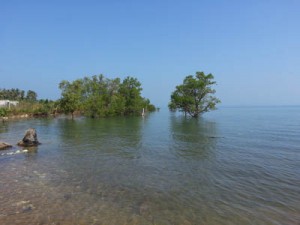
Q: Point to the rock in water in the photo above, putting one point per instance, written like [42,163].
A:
[4,145]
[30,138]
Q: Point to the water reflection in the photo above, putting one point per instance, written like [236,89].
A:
[161,169]
[193,137]
[115,136]
[3,127]
[95,155]
[32,153]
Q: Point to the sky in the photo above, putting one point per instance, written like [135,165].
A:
[252,47]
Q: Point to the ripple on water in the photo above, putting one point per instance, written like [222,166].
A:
[162,169]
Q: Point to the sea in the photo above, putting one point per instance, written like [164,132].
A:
[235,165]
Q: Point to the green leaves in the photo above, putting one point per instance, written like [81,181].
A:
[18,95]
[195,95]
[3,112]
[98,96]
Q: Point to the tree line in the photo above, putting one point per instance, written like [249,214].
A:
[16,94]
[28,103]
[98,96]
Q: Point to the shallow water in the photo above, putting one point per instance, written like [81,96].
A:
[233,166]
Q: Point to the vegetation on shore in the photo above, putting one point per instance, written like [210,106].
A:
[94,96]
[28,103]
[16,94]
[34,109]
[98,96]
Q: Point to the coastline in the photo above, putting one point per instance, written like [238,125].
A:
[24,116]
[21,116]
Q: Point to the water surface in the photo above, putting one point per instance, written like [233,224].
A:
[232,166]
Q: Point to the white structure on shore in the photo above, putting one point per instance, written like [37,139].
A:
[8,103]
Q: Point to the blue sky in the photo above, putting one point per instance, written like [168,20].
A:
[251,47]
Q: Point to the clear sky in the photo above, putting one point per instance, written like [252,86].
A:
[252,47]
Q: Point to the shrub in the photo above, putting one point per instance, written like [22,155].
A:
[3,112]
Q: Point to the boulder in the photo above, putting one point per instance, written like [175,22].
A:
[30,138]
[4,145]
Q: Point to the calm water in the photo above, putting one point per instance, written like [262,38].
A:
[233,166]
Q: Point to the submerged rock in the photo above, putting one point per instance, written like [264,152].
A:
[4,145]
[27,208]
[30,138]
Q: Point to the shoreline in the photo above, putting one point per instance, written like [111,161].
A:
[5,118]
[24,116]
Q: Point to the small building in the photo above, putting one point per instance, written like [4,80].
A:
[8,103]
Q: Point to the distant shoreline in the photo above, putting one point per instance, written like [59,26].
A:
[24,116]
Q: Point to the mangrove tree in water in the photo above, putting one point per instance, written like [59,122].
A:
[195,96]
[98,96]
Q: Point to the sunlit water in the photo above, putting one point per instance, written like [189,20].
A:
[232,166]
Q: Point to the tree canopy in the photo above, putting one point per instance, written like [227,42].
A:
[98,96]
[16,94]
[195,96]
